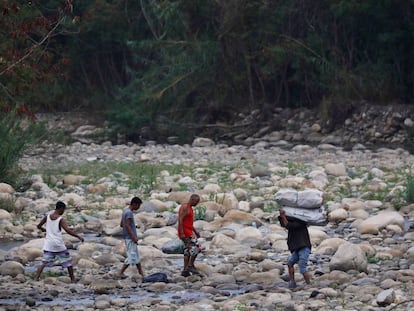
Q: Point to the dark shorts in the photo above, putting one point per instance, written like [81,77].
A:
[191,246]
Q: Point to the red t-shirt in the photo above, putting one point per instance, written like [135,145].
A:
[188,222]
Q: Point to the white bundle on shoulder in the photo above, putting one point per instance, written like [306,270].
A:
[313,217]
[309,198]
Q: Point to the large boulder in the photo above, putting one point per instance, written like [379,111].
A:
[175,246]
[349,257]
[374,224]
[12,268]
[6,188]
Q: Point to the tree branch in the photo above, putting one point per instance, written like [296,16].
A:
[32,49]
[7,92]
[149,22]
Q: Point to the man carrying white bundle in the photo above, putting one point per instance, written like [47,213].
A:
[305,205]
[299,245]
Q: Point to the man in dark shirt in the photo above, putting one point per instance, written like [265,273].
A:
[299,245]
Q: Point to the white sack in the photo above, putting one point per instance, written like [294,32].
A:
[287,197]
[310,198]
[313,217]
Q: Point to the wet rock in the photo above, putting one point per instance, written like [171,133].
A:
[30,302]
[156,277]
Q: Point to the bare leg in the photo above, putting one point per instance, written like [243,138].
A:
[191,261]
[71,274]
[124,267]
[187,249]
[191,268]
[307,277]
[39,272]
[139,268]
[186,262]
[291,270]
[292,283]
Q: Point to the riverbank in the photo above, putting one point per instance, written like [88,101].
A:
[362,260]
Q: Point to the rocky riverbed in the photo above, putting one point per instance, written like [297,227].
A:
[363,259]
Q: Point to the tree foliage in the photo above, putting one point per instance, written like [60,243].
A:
[159,63]
[33,61]
[32,70]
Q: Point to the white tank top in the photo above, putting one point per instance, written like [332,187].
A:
[54,240]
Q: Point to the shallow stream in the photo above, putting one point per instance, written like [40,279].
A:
[82,297]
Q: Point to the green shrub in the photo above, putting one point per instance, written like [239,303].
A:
[16,136]
[409,188]
[270,207]
[373,260]
[296,168]
[240,307]
[200,212]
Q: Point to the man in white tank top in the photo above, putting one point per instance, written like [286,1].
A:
[54,248]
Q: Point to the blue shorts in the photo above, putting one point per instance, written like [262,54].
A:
[52,258]
[132,253]
[300,255]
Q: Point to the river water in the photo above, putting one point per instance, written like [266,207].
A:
[86,297]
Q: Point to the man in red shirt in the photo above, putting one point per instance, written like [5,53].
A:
[188,234]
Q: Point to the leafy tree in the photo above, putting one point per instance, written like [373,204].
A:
[172,71]
[31,67]
[158,64]
[31,64]
[207,61]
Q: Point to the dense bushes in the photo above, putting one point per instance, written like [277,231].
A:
[208,61]
[17,133]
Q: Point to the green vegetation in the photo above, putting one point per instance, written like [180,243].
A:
[240,307]
[396,189]
[69,218]
[200,212]
[34,65]
[17,134]
[49,273]
[409,188]
[151,66]
[373,260]
[140,176]
[295,168]
[380,194]
[271,207]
